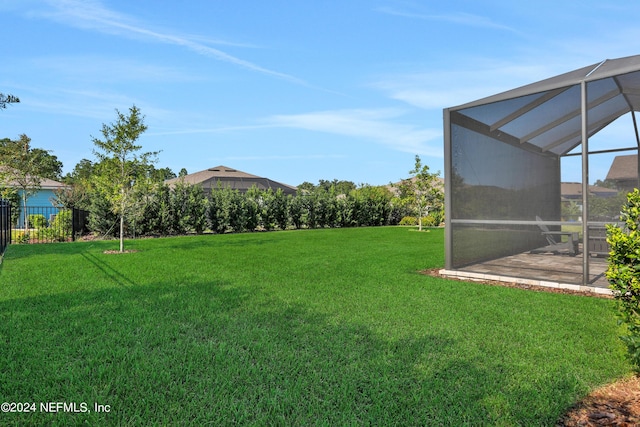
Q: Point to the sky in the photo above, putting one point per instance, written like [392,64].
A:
[291,90]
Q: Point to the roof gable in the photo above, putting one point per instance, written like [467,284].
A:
[624,167]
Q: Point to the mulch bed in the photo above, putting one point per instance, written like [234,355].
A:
[616,404]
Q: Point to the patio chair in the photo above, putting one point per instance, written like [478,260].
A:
[554,240]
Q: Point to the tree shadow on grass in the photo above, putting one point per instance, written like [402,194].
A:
[214,353]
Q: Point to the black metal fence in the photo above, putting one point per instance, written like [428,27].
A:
[45,224]
[5,225]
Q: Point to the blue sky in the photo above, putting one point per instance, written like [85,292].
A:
[291,90]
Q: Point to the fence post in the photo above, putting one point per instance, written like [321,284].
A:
[5,226]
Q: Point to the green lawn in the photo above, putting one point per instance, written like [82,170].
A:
[316,327]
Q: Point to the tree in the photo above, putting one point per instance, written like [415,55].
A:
[82,172]
[421,192]
[623,272]
[7,99]
[306,187]
[77,193]
[119,162]
[24,167]
[338,187]
[161,174]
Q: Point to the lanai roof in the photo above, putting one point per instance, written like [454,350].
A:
[528,116]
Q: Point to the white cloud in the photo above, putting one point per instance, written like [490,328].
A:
[97,68]
[288,157]
[459,18]
[92,15]
[380,126]
[477,78]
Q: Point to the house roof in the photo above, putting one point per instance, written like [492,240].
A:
[623,168]
[393,187]
[225,176]
[45,184]
[546,116]
[571,190]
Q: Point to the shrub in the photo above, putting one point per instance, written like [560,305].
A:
[218,210]
[296,210]
[37,221]
[61,226]
[409,220]
[279,208]
[623,272]
[21,237]
[432,220]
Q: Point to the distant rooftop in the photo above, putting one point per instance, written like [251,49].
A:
[624,167]
[224,176]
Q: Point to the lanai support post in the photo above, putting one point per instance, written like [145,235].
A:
[448,230]
[585,184]
[635,128]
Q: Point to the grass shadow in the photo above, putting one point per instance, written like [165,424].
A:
[212,353]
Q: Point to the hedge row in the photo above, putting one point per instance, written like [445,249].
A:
[185,208]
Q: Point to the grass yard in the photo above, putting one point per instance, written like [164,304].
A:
[319,327]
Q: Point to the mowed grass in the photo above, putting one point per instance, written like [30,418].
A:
[315,327]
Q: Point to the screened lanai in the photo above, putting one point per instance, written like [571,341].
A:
[504,159]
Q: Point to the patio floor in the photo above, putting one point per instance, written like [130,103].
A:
[553,270]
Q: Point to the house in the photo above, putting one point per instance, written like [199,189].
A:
[624,172]
[40,203]
[572,191]
[226,177]
[571,200]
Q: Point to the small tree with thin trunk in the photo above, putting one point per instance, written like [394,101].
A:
[119,162]
[421,192]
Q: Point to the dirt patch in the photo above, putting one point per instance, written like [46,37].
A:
[616,404]
[126,251]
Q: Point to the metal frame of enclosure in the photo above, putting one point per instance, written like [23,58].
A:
[503,157]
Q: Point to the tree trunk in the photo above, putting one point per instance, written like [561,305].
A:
[123,204]
[25,212]
[121,233]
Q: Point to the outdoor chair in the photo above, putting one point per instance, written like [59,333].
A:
[554,240]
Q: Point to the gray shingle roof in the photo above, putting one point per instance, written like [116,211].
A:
[224,176]
[624,167]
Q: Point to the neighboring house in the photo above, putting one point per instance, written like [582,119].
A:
[572,191]
[42,199]
[393,187]
[571,198]
[624,172]
[226,177]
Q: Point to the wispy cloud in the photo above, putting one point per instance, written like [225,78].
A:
[289,157]
[380,126]
[459,18]
[92,15]
[475,79]
[191,130]
[99,68]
